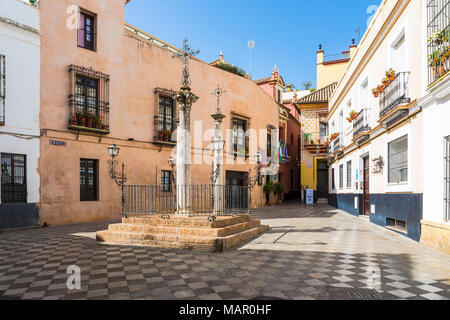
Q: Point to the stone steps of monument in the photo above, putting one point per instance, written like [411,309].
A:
[183,230]
[180,241]
[195,222]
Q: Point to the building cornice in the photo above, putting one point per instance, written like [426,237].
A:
[19,25]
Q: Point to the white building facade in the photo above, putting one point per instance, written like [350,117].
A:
[436,124]
[19,113]
[375,156]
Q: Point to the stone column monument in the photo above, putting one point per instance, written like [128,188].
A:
[185,99]
[218,177]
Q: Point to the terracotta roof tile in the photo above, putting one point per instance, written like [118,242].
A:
[319,96]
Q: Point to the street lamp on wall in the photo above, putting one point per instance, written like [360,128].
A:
[119,178]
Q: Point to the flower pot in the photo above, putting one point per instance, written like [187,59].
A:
[439,71]
[391,77]
[74,121]
[380,89]
[83,122]
[90,123]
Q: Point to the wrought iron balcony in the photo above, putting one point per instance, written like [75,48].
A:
[438,46]
[361,125]
[395,94]
[314,141]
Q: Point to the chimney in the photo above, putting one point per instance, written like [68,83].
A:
[320,54]
[353,48]
[221,55]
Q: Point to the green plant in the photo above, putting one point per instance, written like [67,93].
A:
[279,189]
[439,37]
[269,188]
[230,68]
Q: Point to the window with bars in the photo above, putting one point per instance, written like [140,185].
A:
[14,178]
[341,176]
[398,160]
[88,180]
[438,31]
[2,88]
[166,181]
[349,174]
[269,143]
[240,140]
[447,179]
[87,33]
[165,124]
[88,100]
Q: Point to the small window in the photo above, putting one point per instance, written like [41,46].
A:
[166,181]
[269,143]
[14,178]
[88,180]
[240,139]
[2,88]
[398,160]
[341,176]
[349,174]
[87,31]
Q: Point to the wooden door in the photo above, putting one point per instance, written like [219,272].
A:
[366,190]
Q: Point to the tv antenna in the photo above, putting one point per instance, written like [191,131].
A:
[251,45]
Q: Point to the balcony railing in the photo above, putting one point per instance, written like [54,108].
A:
[438,46]
[395,94]
[313,139]
[362,122]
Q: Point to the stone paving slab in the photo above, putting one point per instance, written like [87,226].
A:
[309,253]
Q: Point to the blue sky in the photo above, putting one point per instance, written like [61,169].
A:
[287,33]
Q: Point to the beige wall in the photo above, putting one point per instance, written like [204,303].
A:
[136,68]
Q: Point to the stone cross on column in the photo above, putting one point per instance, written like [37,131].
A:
[185,99]
[219,195]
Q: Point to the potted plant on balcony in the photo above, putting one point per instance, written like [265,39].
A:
[82,118]
[375,92]
[74,119]
[439,37]
[333,136]
[385,82]
[352,116]
[390,74]
[380,88]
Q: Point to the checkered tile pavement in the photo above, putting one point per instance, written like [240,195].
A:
[306,253]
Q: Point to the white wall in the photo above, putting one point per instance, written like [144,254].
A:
[436,126]
[21,47]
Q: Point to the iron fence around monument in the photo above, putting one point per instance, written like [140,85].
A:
[197,200]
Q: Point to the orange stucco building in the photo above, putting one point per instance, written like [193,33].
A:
[107,83]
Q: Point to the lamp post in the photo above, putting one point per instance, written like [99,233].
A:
[172,164]
[252,181]
[119,179]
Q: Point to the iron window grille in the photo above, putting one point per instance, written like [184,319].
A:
[398,160]
[349,174]
[164,120]
[87,31]
[2,88]
[341,176]
[88,100]
[166,181]
[438,31]
[240,139]
[269,143]
[447,179]
[88,180]
[14,178]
